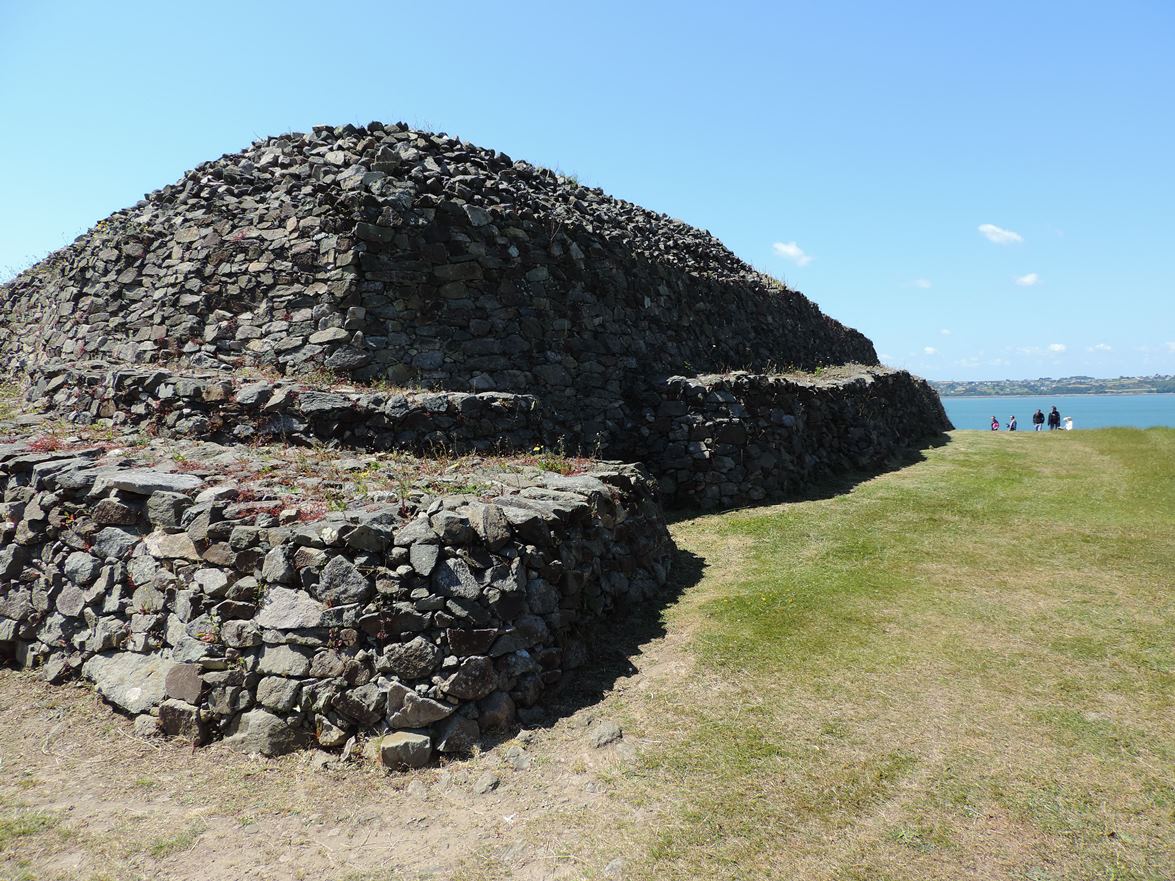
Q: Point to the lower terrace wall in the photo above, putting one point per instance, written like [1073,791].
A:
[735,439]
[209,609]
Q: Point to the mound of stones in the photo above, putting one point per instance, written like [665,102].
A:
[380,253]
[210,601]
[264,532]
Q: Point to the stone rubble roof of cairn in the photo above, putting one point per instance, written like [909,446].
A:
[384,253]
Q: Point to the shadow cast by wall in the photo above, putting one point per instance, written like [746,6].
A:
[613,654]
[826,487]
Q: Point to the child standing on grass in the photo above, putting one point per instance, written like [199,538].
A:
[995,424]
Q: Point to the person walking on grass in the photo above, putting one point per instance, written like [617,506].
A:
[995,424]
[1012,423]
[1054,419]
[1038,420]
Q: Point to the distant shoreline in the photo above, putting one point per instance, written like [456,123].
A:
[1061,395]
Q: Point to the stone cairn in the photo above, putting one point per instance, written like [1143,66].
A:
[330,413]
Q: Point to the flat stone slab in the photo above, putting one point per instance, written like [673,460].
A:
[144,482]
[286,609]
[134,683]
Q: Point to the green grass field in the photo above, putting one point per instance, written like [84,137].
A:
[965,668]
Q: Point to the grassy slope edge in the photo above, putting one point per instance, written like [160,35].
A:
[961,669]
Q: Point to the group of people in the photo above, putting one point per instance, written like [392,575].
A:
[1038,421]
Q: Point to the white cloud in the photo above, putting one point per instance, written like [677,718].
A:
[1057,347]
[1027,281]
[968,362]
[946,331]
[792,252]
[1171,347]
[923,283]
[999,235]
[930,350]
[1101,347]
[884,357]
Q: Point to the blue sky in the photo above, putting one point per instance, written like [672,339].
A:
[986,190]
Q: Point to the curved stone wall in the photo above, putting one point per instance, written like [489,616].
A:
[211,609]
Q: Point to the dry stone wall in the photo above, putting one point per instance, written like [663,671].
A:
[207,610]
[384,253]
[221,407]
[722,441]
[354,290]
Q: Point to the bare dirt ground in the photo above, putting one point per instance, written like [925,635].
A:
[84,798]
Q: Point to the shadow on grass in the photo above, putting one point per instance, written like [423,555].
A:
[614,644]
[827,486]
[612,647]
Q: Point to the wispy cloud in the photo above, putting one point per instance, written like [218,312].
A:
[923,283]
[792,252]
[999,235]
[1101,347]
[968,362]
[930,350]
[946,331]
[1027,281]
[884,357]
[1171,347]
[1057,347]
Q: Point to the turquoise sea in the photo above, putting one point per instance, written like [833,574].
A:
[1088,411]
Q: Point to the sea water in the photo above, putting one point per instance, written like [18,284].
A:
[1088,411]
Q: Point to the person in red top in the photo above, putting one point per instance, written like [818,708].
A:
[995,424]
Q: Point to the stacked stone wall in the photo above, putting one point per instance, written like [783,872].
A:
[721,441]
[220,407]
[209,612]
[382,253]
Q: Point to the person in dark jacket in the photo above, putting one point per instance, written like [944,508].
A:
[1011,423]
[1038,420]
[995,424]
[1054,419]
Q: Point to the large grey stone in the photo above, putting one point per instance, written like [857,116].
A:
[278,693]
[277,568]
[143,482]
[165,509]
[453,578]
[418,711]
[133,682]
[474,679]
[341,583]
[113,543]
[171,546]
[260,731]
[283,608]
[284,660]
[457,734]
[404,749]
[179,718]
[414,659]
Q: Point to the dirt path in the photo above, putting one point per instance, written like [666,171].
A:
[84,798]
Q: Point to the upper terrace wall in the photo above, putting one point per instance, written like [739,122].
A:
[383,253]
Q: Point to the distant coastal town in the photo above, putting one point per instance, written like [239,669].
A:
[1069,385]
